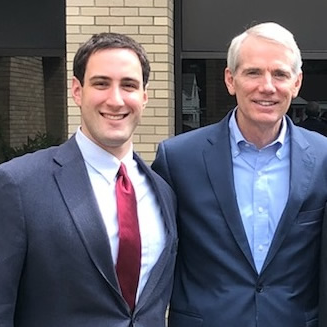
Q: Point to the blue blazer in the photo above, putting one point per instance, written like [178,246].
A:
[216,283]
[56,268]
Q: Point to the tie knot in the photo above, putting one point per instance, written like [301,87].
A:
[122,170]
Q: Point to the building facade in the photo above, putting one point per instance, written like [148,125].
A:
[186,41]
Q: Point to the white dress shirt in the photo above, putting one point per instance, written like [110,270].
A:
[102,168]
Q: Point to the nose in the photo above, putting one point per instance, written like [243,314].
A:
[267,84]
[114,97]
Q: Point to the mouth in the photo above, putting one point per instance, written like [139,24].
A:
[114,117]
[265,103]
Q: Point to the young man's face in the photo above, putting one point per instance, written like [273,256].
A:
[112,99]
[264,83]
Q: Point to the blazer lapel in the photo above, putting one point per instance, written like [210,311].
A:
[74,184]
[166,256]
[302,165]
[219,165]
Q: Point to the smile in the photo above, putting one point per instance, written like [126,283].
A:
[114,117]
[266,103]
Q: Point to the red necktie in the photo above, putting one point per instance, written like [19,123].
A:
[129,252]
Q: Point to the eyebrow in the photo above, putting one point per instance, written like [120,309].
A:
[106,78]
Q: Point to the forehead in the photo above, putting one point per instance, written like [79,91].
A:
[115,60]
[259,52]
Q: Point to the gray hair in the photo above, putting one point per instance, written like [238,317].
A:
[269,31]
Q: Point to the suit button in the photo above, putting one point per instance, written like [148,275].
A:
[259,289]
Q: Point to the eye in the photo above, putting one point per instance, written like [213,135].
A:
[100,84]
[279,74]
[130,86]
[252,72]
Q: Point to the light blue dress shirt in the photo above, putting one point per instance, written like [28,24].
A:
[261,180]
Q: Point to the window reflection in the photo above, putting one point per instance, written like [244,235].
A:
[205,99]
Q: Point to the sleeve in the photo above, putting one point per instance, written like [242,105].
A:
[160,164]
[12,246]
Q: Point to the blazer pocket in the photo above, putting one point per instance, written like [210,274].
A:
[310,217]
[184,319]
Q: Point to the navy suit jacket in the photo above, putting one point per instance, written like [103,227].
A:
[216,282]
[56,268]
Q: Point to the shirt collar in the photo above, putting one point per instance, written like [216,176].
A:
[237,137]
[99,159]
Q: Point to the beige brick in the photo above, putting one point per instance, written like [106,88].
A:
[160,3]
[109,20]
[148,112]
[130,30]
[153,29]
[80,20]
[109,3]
[95,29]
[70,56]
[150,56]
[162,57]
[73,29]
[74,120]
[150,93]
[136,138]
[161,76]
[144,147]
[155,12]
[72,11]
[154,121]
[143,39]
[139,3]
[158,103]
[77,38]
[152,138]
[163,67]
[145,129]
[155,48]
[138,20]
[79,3]
[155,85]
[148,157]
[72,47]
[161,21]
[124,12]
[161,130]
[74,111]
[161,94]
[95,11]
[165,39]
[162,112]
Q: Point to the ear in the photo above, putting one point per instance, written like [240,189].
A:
[229,81]
[297,85]
[145,95]
[77,91]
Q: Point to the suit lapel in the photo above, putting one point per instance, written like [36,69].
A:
[74,184]
[166,255]
[219,165]
[302,165]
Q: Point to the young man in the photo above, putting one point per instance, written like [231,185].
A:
[68,253]
[251,194]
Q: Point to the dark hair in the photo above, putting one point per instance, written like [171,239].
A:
[312,109]
[105,41]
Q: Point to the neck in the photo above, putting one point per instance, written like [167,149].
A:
[261,136]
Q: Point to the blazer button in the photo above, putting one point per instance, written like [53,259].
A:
[259,289]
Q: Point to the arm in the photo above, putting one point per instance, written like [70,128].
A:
[12,247]
[160,164]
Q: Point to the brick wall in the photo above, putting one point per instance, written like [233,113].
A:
[26,102]
[151,23]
